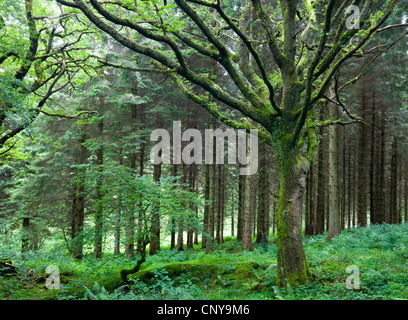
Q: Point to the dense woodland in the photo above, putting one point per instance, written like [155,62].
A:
[83,84]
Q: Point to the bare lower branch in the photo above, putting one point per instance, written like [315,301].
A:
[67,116]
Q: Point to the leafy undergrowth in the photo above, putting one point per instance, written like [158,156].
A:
[379,252]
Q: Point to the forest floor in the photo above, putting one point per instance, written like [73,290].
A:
[379,252]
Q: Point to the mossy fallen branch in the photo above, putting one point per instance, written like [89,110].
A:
[125,272]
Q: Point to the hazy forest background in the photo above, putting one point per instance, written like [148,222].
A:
[84,83]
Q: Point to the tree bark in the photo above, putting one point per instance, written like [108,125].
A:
[309,213]
[217,199]
[196,191]
[319,227]
[204,237]
[362,184]
[26,236]
[180,231]
[192,188]
[394,182]
[292,264]
[116,248]
[333,187]
[141,214]
[343,182]
[99,195]
[126,272]
[373,169]
[173,221]
[78,204]
[240,206]
[222,201]
[155,220]
[130,215]
[246,215]
[381,170]
[211,196]
[261,232]
[406,192]
[267,200]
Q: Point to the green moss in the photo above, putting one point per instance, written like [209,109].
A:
[301,277]
[196,270]
[243,271]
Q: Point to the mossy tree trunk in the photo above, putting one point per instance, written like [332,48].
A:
[292,264]
[126,272]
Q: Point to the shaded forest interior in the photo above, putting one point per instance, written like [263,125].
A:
[77,176]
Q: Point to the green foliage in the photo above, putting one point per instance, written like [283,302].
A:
[163,288]
[379,251]
[12,94]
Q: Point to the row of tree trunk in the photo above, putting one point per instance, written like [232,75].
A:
[357,174]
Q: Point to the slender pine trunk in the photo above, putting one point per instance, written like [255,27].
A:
[246,215]
[362,184]
[394,182]
[99,195]
[155,220]
[333,187]
[78,203]
[261,234]
[116,248]
[373,170]
[319,227]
